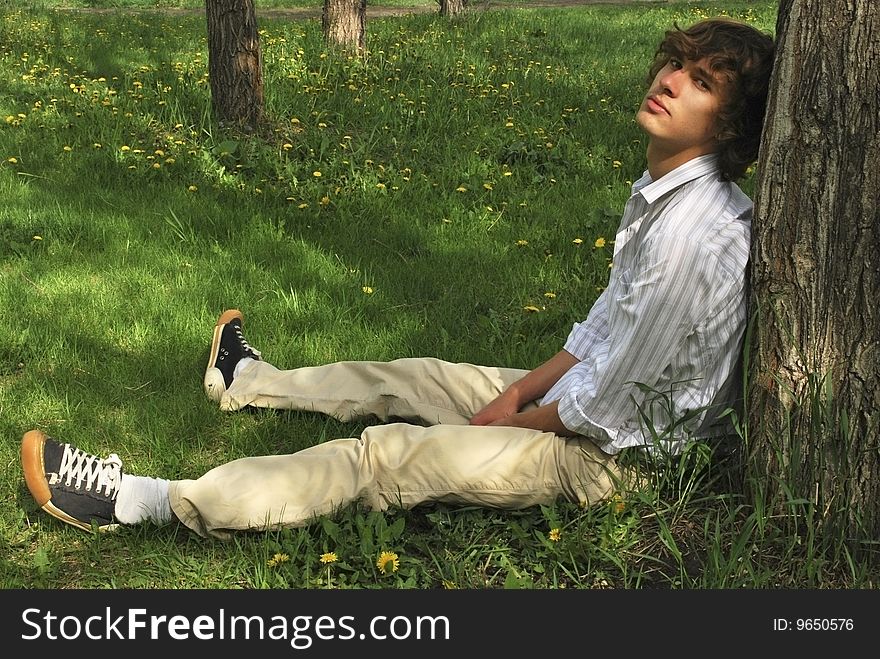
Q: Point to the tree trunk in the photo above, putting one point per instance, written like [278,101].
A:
[814,371]
[345,24]
[452,7]
[235,62]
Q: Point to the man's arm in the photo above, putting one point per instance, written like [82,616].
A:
[505,410]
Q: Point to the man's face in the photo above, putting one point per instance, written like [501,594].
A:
[679,111]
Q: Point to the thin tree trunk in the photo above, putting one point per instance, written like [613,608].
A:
[452,7]
[814,385]
[235,61]
[344,24]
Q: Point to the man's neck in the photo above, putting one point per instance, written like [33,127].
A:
[661,162]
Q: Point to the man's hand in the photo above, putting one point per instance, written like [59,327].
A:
[504,411]
[499,409]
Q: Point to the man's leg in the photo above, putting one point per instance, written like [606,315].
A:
[396,464]
[421,390]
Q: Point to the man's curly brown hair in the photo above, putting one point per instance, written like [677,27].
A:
[741,54]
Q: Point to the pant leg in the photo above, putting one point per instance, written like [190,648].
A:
[396,464]
[421,389]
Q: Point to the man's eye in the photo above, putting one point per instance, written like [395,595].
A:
[674,63]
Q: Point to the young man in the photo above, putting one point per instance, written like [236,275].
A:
[653,365]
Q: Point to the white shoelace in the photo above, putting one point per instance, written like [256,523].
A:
[245,344]
[100,474]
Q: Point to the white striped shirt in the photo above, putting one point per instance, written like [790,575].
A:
[660,351]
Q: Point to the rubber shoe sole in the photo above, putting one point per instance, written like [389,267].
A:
[215,385]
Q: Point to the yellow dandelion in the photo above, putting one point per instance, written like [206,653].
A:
[37,238]
[316,174]
[193,188]
[521,242]
[68,148]
[550,294]
[461,188]
[554,535]
[325,200]
[13,160]
[380,186]
[367,289]
[124,148]
[277,559]
[329,557]
[616,164]
[487,186]
[303,205]
[578,241]
[287,146]
[531,308]
[387,558]
[600,242]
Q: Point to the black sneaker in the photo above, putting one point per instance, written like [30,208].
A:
[69,484]
[228,347]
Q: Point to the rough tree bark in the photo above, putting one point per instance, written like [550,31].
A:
[814,373]
[235,62]
[345,24]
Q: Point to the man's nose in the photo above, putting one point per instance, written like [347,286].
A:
[671,82]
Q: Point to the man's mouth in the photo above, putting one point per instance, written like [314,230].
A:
[655,105]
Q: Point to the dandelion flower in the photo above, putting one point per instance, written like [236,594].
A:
[329,557]
[600,242]
[522,242]
[461,188]
[616,164]
[367,289]
[554,535]
[277,559]
[316,174]
[387,558]
[550,294]
[531,308]
[578,241]
[13,160]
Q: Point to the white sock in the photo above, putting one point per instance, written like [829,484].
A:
[142,499]
[243,363]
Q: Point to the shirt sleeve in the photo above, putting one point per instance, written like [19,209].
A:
[651,308]
[584,336]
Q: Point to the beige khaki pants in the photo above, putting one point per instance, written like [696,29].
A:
[422,451]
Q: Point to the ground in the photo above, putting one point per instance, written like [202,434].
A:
[378,12]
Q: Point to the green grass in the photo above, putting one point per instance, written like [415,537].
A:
[467,171]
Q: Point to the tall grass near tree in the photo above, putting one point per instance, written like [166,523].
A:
[455,194]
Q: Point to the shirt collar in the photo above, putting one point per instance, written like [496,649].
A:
[652,190]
